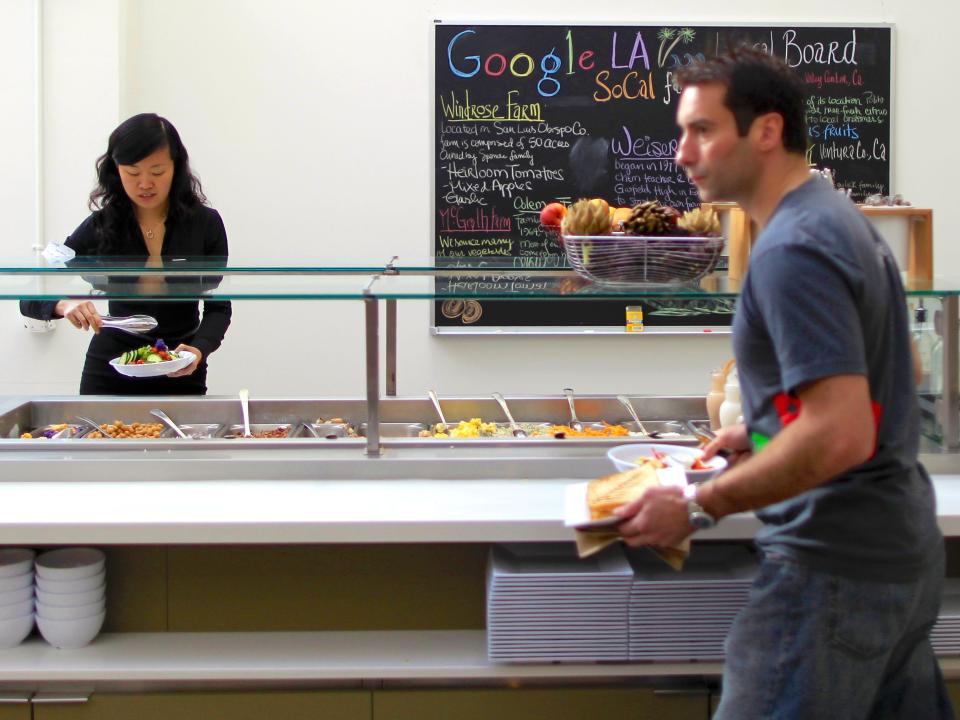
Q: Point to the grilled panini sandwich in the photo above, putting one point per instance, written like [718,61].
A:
[611,491]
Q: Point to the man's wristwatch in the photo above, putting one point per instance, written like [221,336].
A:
[696,515]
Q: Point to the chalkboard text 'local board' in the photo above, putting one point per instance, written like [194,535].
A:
[529,114]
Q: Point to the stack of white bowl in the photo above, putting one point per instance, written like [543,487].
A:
[16,595]
[71,590]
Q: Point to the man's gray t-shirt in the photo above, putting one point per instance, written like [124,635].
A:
[823,297]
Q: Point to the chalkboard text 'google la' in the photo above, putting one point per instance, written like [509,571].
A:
[522,64]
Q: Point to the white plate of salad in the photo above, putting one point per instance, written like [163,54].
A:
[152,361]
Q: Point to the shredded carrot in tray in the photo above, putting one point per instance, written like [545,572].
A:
[606,431]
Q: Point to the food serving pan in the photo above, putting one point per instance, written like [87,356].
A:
[266,431]
[332,431]
[213,419]
[55,431]
[197,431]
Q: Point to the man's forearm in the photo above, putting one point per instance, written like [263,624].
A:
[805,454]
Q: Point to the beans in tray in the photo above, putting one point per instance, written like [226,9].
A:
[118,429]
[280,432]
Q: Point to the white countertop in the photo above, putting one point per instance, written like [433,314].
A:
[317,511]
[123,658]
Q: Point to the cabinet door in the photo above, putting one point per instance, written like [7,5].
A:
[319,705]
[14,711]
[953,687]
[537,704]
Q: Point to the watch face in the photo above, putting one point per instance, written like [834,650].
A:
[701,520]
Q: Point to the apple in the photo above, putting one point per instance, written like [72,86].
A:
[601,203]
[619,215]
[552,214]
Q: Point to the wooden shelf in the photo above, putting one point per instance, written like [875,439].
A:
[741,237]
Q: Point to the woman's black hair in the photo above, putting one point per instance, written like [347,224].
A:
[132,141]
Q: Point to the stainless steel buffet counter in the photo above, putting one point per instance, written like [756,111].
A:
[305,489]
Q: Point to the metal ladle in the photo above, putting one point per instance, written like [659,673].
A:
[625,401]
[517,430]
[574,421]
[170,423]
[436,404]
[245,409]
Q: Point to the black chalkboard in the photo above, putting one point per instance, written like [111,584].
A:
[528,114]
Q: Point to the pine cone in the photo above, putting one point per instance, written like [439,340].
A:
[587,217]
[651,218]
[700,221]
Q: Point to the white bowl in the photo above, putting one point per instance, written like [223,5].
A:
[14,630]
[15,582]
[17,609]
[15,561]
[70,612]
[12,597]
[154,369]
[68,634]
[70,563]
[62,587]
[624,458]
[71,599]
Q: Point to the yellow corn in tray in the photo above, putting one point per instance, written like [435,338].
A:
[473,428]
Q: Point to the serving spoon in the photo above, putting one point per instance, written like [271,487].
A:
[245,409]
[625,401]
[574,421]
[170,423]
[517,430]
[94,425]
[436,404]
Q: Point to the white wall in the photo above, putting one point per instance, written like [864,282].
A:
[309,126]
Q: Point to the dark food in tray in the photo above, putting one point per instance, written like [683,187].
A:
[56,431]
[272,431]
[333,428]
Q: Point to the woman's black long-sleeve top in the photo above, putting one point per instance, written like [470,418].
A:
[198,234]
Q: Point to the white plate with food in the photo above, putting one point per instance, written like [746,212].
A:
[149,367]
[625,457]
[577,509]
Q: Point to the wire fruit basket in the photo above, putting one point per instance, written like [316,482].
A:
[619,259]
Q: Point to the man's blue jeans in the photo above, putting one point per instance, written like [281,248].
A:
[817,646]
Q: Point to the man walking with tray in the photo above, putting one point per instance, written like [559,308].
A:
[838,621]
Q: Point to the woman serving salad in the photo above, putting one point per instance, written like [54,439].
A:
[147,205]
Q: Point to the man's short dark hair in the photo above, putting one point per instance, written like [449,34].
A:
[757,83]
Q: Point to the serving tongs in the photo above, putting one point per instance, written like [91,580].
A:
[94,426]
[169,423]
[436,404]
[625,401]
[132,324]
[575,423]
[517,430]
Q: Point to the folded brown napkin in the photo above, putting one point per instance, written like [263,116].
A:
[593,541]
